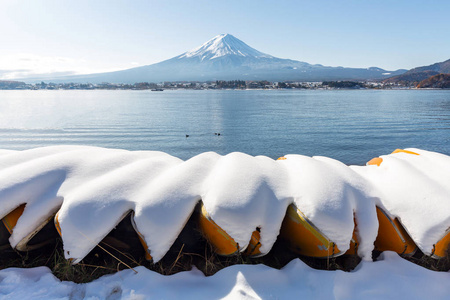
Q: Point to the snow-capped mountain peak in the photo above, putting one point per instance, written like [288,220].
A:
[225,57]
[222,45]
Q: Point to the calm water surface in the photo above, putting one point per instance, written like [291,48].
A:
[351,126]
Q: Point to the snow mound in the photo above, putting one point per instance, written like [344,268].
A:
[92,189]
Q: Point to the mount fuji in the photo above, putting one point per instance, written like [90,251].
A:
[225,57]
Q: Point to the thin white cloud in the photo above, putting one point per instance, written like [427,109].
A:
[26,65]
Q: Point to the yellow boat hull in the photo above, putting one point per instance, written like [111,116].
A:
[392,236]
[222,242]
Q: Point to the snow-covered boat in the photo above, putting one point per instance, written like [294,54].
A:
[319,206]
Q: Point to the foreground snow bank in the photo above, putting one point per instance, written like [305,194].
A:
[389,278]
[93,188]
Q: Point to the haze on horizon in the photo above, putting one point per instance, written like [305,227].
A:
[82,37]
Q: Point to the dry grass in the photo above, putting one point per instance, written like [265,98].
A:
[107,260]
[190,249]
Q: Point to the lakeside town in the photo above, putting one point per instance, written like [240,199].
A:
[208,85]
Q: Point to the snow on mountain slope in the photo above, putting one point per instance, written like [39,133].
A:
[221,45]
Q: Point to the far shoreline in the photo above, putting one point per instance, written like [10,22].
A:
[214,85]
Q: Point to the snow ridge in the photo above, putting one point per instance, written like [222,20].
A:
[222,45]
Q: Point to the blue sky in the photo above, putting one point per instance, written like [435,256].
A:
[83,36]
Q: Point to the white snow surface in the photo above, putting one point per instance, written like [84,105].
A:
[93,188]
[221,45]
[389,278]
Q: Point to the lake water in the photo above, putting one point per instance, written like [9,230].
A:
[349,125]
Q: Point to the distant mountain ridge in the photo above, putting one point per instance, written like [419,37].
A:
[227,58]
[419,74]
[441,67]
